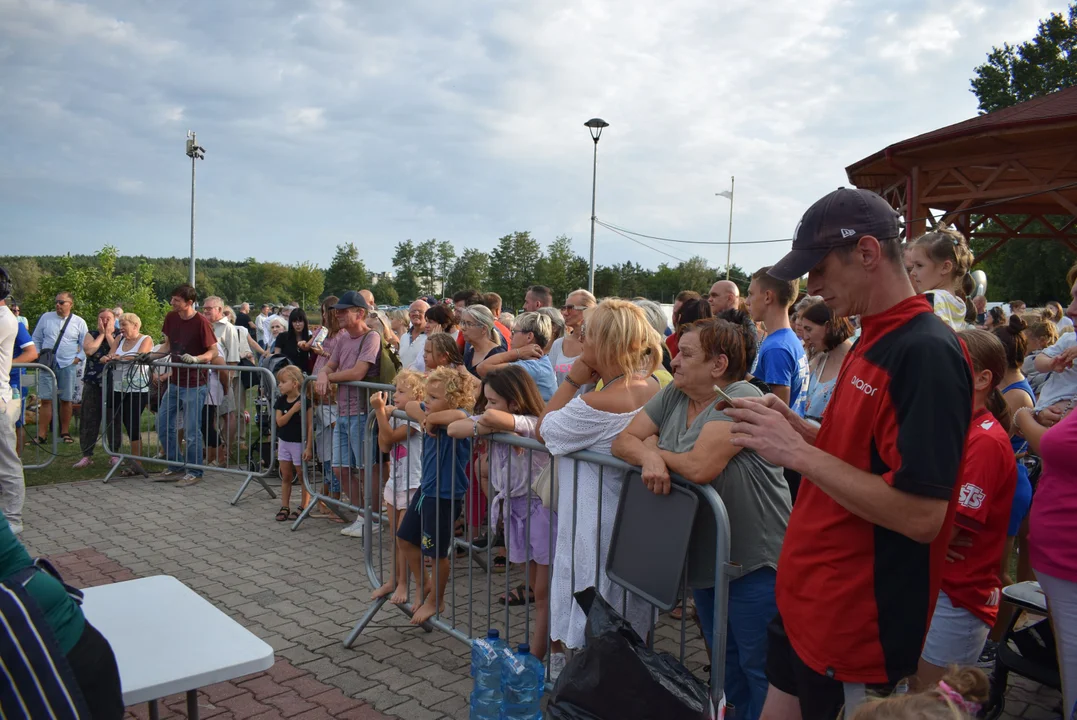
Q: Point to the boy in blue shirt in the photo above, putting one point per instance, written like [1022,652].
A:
[427,527]
[781,362]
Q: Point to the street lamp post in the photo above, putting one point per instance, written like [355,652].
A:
[594,125]
[195,152]
[728,195]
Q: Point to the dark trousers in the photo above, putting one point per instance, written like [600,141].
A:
[94,666]
[90,421]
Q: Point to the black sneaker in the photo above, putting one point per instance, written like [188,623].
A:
[988,656]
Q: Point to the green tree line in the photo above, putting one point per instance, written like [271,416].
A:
[430,267]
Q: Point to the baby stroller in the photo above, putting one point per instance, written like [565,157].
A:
[260,456]
[1029,651]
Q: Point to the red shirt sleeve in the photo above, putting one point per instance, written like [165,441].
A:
[981,479]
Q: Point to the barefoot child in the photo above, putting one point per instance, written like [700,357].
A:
[403,440]
[290,450]
[510,402]
[427,527]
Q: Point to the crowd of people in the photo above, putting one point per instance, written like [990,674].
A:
[868,438]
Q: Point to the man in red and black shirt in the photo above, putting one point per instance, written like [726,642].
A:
[862,560]
[189,338]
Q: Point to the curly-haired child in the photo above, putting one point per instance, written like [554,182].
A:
[402,440]
[958,696]
[427,527]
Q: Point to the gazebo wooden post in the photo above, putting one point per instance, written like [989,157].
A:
[916,214]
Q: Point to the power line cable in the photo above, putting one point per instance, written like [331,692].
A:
[974,208]
[660,252]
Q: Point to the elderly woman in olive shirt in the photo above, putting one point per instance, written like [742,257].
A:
[683,429]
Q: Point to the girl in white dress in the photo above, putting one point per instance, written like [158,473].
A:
[622,350]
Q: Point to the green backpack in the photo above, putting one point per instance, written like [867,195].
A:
[387,366]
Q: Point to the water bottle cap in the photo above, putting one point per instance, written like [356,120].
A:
[492,634]
[525,649]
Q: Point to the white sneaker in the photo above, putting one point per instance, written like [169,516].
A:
[355,529]
[189,480]
[557,664]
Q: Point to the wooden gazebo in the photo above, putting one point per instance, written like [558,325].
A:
[1018,161]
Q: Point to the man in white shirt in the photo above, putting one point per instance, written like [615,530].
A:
[228,341]
[414,340]
[50,332]
[12,482]
[261,323]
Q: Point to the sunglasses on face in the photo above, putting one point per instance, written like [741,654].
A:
[566,308]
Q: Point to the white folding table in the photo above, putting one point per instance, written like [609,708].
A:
[168,639]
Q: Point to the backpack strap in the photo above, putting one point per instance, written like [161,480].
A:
[40,681]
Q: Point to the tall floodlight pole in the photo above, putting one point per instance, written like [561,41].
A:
[594,125]
[195,152]
[728,194]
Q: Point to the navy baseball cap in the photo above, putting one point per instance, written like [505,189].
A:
[838,219]
[351,299]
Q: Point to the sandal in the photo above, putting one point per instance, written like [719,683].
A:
[516,597]
[38,440]
[500,564]
[66,437]
[282,514]
[294,514]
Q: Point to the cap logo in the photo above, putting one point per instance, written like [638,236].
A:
[846,232]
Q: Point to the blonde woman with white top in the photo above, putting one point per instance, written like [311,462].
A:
[131,388]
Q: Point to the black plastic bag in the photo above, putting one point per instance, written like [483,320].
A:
[616,676]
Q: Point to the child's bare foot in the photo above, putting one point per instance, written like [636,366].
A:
[424,613]
[400,596]
[383,591]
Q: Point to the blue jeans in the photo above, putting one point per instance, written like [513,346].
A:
[751,608]
[189,401]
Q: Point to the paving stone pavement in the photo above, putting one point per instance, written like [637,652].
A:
[302,592]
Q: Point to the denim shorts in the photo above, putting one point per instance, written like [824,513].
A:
[65,376]
[348,441]
[956,636]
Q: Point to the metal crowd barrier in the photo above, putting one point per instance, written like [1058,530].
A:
[320,478]
[234,431]
[470,606]
[33,371]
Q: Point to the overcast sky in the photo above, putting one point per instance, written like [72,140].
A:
[327,121]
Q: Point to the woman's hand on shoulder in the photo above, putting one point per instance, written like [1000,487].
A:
[582,373]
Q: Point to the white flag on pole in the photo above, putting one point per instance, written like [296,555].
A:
[727,194]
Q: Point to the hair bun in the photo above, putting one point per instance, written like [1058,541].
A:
[1017,323]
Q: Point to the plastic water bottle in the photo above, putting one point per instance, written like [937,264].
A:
[522,685]
[486,670]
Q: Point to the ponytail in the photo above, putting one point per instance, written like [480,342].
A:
[967,287]
[988,353]
[996,403]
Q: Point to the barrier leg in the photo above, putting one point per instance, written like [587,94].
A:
[363,622]
[251,477]
[112,470]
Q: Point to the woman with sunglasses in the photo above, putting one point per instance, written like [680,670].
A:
[567,349]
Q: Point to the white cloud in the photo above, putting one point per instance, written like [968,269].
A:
[308,118]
